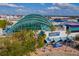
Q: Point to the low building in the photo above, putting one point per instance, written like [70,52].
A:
[63,30]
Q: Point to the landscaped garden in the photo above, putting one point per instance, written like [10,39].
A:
[21,43]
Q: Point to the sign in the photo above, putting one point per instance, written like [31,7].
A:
[54,34]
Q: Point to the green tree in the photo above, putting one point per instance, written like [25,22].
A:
[68,32]
[3,23]
[40,41]
[53,28]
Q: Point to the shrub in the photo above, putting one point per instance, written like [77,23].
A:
[20,44]
[77,37]
[53,28]
[77,47]
[41,41]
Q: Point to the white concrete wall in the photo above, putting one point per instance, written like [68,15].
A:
[1,31]
[62,35]
[74,34]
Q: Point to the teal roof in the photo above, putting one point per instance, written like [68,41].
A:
[32,21]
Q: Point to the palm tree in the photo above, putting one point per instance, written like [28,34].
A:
[68,33]
[53,28]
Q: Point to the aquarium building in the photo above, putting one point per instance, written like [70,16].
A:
[32,21]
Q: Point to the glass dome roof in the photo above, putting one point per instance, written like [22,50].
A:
[33,22]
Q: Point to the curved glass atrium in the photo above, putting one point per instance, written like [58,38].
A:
[32,21]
